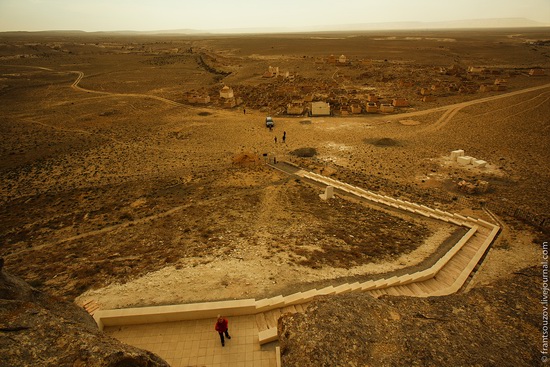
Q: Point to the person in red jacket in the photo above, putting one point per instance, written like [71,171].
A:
[222,328]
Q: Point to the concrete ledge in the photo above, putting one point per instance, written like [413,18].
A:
[269,304]
[263,303]
[390,282]
[438,217]
[429,210]
[368,285]
[309,295]
[342,288]
[485,223]
[267,336]
[406,279]
[294,299]
[158,314]
[403,207]
[380,283]
[326,291]
[457,222]
[423,275]
[422,212]
[443,212]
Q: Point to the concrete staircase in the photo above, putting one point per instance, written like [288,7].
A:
[446,276]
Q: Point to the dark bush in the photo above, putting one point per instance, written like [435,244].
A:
[304,152]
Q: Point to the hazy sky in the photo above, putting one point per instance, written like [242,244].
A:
[105,15]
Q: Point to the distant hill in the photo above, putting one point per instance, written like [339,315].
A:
[457,24]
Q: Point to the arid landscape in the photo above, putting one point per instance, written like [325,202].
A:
[127,179]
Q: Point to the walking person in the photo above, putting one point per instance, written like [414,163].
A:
[284,136]
[222,328]
[275,139]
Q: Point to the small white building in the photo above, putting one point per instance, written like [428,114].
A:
[386,108]
[226,92]
[295,108]
[342,59]
[320,109]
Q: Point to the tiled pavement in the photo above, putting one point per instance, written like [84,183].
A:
[196,343]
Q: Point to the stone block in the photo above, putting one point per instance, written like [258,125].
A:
[464,160]
[457,153]
[479,163]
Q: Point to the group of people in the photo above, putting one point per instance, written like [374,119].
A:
[284,137]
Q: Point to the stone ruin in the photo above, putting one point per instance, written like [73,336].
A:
[478,187]
[465,160]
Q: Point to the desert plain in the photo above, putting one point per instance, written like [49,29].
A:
[117,186]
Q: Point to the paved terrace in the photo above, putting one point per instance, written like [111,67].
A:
[184,335]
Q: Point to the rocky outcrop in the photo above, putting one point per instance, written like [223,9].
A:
[39,330]
[496,325]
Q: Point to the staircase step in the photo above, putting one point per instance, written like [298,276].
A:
[445,279]
[455,265]
[267,336]
[299,308]
[453,269]
[425,290]
[272,317]
[431,285]
[398,290]
[415,289]
[458,263]
[462,257]
[404,290]
[379,292]
[393,291]
[261,321]
[469,250]
[288,309]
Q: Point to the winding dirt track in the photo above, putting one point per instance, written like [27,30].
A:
[452,110]
[81,75]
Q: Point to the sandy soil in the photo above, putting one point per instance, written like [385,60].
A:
[112,195]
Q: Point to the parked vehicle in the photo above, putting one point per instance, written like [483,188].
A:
[269,122]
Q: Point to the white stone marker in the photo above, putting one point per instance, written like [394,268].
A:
[329,193]
[456,153]
[465,160]
[479,163]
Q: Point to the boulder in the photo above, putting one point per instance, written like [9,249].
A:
[496,325]
[39,330]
